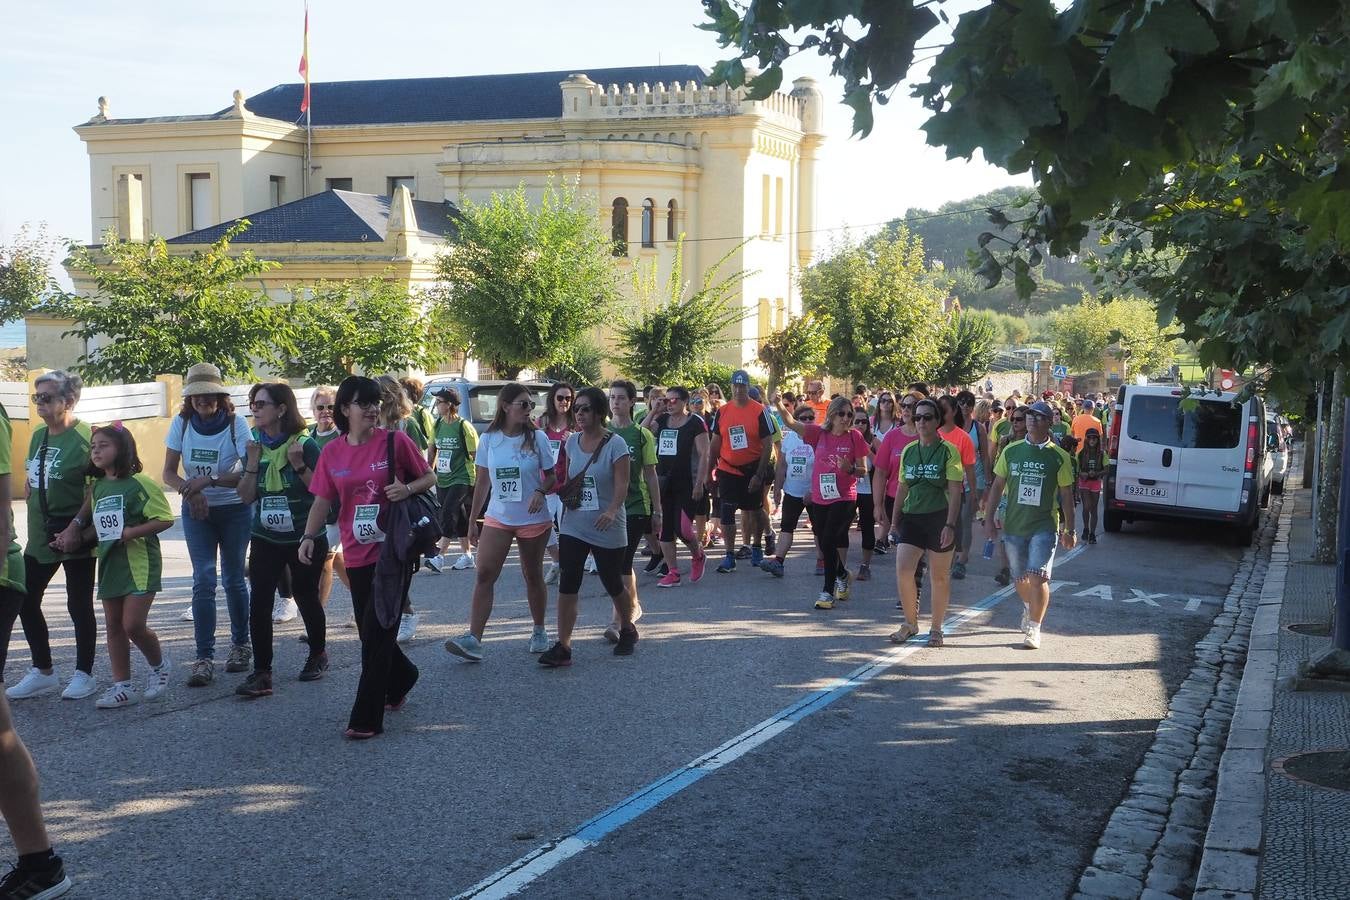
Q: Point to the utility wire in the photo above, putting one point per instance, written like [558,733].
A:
[898,220]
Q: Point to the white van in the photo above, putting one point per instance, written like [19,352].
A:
[1207,463]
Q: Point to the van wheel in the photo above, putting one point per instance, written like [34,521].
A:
[1111,521]
[1242,536]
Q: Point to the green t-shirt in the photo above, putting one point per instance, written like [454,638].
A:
[119,503]
[279,516]
[926,471]
[1059,429]
[641,453]
[11,564]
[412,427]
[1001,428]
[65,475]
[322,441]
[455,442]
[1033,476]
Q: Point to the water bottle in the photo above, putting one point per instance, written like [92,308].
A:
[989,549]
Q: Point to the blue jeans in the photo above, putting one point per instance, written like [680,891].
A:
[1031,555]
[225,531]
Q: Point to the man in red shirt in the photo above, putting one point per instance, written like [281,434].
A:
[742,444]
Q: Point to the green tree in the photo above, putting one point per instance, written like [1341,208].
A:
[153,312]
[582,364]
[25,273]
[797,349]
[1083,333]
[969,343]
[666,334]
[885,313]
[372,325]
[528,281]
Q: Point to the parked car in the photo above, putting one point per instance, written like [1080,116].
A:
[479,398]
[1170,460]
[1277,448]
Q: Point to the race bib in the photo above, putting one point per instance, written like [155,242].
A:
[667,442]
[202,463]
[442,464]
[590,499]
[797,465]
[555,446]
[507,485]
[1029,490]
[738,439]
[109,520]
[33,465]
[829,486]
[275,514]
[365,524]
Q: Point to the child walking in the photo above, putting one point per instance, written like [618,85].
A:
[129,511]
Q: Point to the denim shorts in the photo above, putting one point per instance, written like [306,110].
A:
[1033,555]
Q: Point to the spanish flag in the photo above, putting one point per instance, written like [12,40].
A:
[304,64]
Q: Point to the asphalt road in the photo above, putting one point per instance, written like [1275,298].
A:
[979,769]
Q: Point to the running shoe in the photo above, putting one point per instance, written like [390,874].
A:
[1092,537]
[743,552]
[119,695]
[186,616]
[34,684]
[1033,638]
[612,633]
[589,567]
[880,548]
[284,610]
[81,685]
[259,684]
[864,572]
[407,627]
[434,563]
[551,573]
[842,584]
[46,883]
[1003,577]
[465,561]
[628,638]
[539,639]
[654,562]
[825,600]
[466,646]
[770,543]
[315,666]
[240,658]
[672,579]
[728,564]
[203,672]
[756,556]
[697,566]
[958,570]
[773,566]
[555,657]
[157,684]
[904,633]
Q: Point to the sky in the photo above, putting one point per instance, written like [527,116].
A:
[152,58]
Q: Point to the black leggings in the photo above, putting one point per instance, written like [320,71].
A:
[867,522]
[267,563]
[386,673]
[829,523]
[572,553]
[79,602]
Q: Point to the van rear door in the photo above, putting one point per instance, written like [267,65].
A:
[1148,458]
[1213,459]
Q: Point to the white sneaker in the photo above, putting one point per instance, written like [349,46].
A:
[550,577]
[81,685]
[158,682]
[407,627]
[186,616]
[590,564]
[434,563]
[465,561]
[119,695]
[284,610]
[1033,638]
[612,633]
[34,684]
[1026,617]
[539,640]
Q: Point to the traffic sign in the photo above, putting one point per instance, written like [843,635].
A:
[1060,371]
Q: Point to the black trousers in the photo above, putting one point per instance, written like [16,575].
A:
[386,673]
[268,563]
[867,523]
[829,524]
[28,609]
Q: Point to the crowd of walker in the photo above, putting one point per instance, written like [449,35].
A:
[278,508]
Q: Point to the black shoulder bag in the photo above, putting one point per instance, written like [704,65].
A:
[570,492]
[424,514]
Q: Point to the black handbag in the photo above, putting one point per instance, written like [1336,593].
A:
[424,513]
[54,525]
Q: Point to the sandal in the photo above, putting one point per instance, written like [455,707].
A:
[935,637]
[355,734]
[904,633]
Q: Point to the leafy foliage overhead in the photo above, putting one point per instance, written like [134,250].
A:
[797,349]
[25,275]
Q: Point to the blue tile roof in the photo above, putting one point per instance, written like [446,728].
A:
[329,217]
[527,95]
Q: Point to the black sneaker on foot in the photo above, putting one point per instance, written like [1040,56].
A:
[558,655]
[315,666]
[653,563]
[36,884]
[628,638]
[259,684]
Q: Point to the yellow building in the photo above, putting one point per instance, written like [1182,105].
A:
[660,154]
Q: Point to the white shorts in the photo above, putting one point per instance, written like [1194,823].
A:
[555,508]
[334,538]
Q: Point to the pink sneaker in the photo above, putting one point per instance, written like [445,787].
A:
[696,567]
[671,579]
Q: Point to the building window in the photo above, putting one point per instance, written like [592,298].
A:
[764,205]
[671,209]
[778,206]
[618,224]
[765,320]
[397,181]
[337,184]
[199,201]
[276,190]
[649,222]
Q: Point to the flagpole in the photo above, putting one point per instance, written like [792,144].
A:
[308,174]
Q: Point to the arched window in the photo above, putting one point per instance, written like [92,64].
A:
[671,210]
[618,224]
[649,222]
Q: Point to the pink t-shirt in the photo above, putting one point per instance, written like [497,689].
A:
[960,439]
[888,457]
[355,477]
[836,455]
[557,442]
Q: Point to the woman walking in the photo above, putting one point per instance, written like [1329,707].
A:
[207,439]
[867,525]
[278,466]
[953,431]
[397,413]
[681,470]
[354,472]
[557,423]
[57,464]
[792,484]
[593,524]
[322,402]
[453,447]
[1091,471]
[514,474]
[643,502]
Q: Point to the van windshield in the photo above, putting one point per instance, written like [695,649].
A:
[1211,425]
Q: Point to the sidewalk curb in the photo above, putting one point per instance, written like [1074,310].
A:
[1230,860]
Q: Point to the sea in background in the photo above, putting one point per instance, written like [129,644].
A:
[12,335]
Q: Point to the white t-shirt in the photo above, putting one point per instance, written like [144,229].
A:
[216,454]
[798,457]
[513,475]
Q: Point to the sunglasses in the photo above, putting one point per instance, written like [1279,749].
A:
[859,421]
[907,405]
[1017,419]
[366,404]
[563,398]
[324,407]
[925,417]
[44,398]
[806,418]
[523,403]
[581,408]
[259,404]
